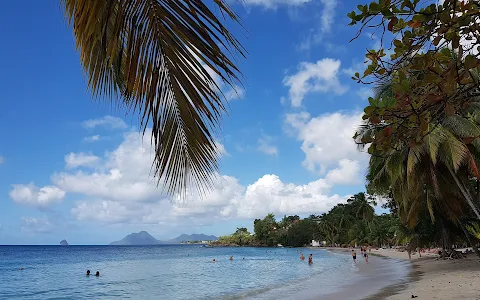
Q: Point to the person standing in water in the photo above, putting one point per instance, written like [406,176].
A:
[88,272]
[301,256]
[354,256]
[310,259]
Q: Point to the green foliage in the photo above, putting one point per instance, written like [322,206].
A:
[433,71]
[241,237]
[301,233]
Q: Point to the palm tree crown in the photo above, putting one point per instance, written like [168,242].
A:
[161,57]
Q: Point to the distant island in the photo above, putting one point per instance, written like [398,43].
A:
[143,238]
[64,243]
[195,238]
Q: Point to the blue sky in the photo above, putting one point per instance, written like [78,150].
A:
[78,169]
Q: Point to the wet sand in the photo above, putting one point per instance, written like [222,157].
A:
[379,276]
[435,279]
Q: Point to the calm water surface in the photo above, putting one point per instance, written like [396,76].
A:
[184,272]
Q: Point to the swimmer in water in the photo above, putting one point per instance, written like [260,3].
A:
[88,272]
[97,274]
[354,256]
[231,257]
[301,256]
[214,260]
[310,259]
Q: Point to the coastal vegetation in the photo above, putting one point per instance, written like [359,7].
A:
[422,125]
[347,224]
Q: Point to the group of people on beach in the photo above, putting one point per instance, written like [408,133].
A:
[363,252]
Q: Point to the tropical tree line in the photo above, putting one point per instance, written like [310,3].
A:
[349,224]
[355,223]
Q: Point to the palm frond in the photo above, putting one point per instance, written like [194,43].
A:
[162,57]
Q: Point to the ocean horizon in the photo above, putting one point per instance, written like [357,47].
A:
[187,272]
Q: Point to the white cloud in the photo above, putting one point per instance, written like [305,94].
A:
[30,194]
[121,190]
[275,3]
[347,173]
[106,121]
[36,225]
[75,160]
[92,138]
[270,194]
[265,146]
[326,139]
[321,76]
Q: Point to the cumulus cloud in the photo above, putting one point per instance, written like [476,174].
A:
[321,76]
[29,194]
[106,121]
[326,139]
[121,189]
[347,173]
[75,160]
[92,138]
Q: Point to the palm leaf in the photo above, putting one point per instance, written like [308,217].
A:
[161,57]
[452,151]
[414,157]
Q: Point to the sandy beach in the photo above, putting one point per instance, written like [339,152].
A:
[437,279]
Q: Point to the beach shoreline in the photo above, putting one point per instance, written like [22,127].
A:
[430,278]
[380,274]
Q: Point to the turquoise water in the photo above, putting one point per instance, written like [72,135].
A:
[179,272]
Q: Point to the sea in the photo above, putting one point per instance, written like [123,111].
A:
[187,272]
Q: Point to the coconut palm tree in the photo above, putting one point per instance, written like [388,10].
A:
[362,204]
[436,170]
[161,59]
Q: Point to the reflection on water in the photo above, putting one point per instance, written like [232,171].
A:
[179,272]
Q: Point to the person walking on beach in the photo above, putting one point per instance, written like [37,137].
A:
[354,256]
[365,255]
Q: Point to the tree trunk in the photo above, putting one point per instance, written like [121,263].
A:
[465,193]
